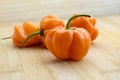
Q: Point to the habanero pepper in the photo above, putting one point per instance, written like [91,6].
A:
[66,43]
[51,21]
[88,23]
[22,32]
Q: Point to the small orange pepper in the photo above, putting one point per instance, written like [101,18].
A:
[22,32]
[51,21]
[86,22]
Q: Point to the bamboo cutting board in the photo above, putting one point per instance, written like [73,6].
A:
[37,63]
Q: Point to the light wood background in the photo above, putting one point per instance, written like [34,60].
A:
[21,10]
[37,63]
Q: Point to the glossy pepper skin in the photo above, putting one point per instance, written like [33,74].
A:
[70,44]
[87,23]
[22,32]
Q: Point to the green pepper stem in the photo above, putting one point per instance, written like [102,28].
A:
[6,38]
[31,35]
[73,17]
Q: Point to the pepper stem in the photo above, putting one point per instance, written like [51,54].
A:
[6,38]
[31,35]
[73,17]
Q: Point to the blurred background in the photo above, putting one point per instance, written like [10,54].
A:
[34,10]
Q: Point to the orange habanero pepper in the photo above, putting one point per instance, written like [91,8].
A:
[51,21]
[86,22]
[22,32]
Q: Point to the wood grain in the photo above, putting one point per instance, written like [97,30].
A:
[37,63]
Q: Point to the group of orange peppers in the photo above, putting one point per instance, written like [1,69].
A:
[71,41]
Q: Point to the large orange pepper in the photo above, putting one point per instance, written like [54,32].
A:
[86,22]
[66,43]
[22,32]
[70,44]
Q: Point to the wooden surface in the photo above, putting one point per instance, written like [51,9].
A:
[37,63]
